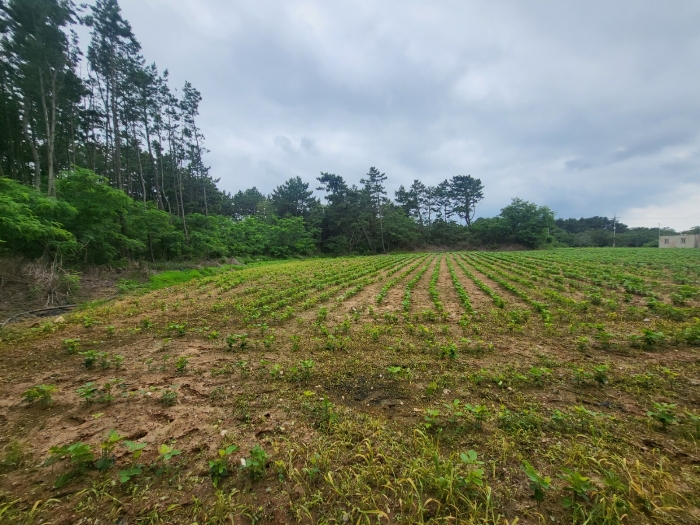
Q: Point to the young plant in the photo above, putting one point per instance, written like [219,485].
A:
[664,413]
[236,339]
[538,484]
[80,456]
[136,449]
[256,464]
[539,374]
[107,450]
[71,345]
[475,474]
[165,454]
[89,358]
[218,468]
[41,393]
[600,374]
[579,486]
[169,397]
[87,392]
[181,364]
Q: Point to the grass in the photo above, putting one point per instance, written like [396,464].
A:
[236,403]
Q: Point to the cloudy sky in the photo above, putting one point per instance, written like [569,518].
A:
[589,107]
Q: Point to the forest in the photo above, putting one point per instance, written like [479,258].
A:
[102,160]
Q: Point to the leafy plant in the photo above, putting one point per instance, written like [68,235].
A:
[600,374]
[181,364]
[89,358]
[107,446]
[71,345]
[168,397]
[579,486]
[256,464]
[218,468]
[664,413]
[136,449]
[41,393]
[80,456]
[87,392]
[538,484]
[236,339]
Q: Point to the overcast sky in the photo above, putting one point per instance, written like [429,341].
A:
[589,107]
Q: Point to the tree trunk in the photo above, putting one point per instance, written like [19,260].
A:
[50,123]
[138,156]
[154,167]
[117,137]
[30,140]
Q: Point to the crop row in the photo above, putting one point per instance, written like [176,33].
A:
[406,303]
[542,308]
[497,299]
[393,282]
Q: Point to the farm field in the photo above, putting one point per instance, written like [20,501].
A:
[476,387]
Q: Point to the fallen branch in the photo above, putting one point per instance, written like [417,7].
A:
[35,311]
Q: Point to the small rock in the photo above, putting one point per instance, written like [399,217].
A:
[59,320]
[647,320]
[445,392]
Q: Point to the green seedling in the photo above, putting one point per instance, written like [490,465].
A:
[118,361]
[179,329]
[236,339]
[218,468]
[89,358]
[582,343]
[148,362]
[136,449]
[431,418]
[539,374]
[181,364]
[107,458]
[110,331]
[475,476]
[480,412]
[448,350]
[307,367]
[87,392]
[80,455]
[579,486]
[600,374]
[104,360]
[538,483]
[581,376]
[168,397]
[256,464]
[107,396]
[41,393]
[276,371]
[652,338]
[664,413]
[71,345]
[165,454]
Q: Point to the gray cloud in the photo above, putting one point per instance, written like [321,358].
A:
[590,108]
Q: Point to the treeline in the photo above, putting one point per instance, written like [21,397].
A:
[119,118]
[604,231]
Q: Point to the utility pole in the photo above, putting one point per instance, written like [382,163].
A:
[614,228]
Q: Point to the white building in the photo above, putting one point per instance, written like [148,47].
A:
[679,241]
